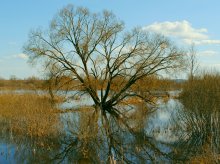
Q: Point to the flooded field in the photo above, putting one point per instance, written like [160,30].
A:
[171,132]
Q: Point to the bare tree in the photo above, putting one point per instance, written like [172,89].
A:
[95,50]
[193,63]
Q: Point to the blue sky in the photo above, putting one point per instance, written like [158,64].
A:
[186,21]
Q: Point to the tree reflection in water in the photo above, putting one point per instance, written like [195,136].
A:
[97,137]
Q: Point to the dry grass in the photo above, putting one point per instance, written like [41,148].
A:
[28,114]
[31,84]
[133,101]
[201,98]
[202,92]
[207,157]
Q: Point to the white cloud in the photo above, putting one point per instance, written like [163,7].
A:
[201,42]
[207,42]
[21,56]
[182,30]
[18,56]
[207,53]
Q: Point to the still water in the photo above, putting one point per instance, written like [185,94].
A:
[165,135]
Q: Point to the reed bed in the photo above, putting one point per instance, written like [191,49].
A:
[28,114]
[201,99]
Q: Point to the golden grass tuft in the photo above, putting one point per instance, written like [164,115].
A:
[28,114]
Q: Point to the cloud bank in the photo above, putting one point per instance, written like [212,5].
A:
[21,56]
[182,30]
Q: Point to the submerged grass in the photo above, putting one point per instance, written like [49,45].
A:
[201,99]
[29,115]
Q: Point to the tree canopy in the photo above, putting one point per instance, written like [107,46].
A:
[96,50]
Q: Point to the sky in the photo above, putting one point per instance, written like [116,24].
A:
[184,21]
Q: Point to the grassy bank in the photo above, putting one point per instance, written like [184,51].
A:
[152,83]
[30,83]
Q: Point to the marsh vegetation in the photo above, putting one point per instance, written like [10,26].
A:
[176,130]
